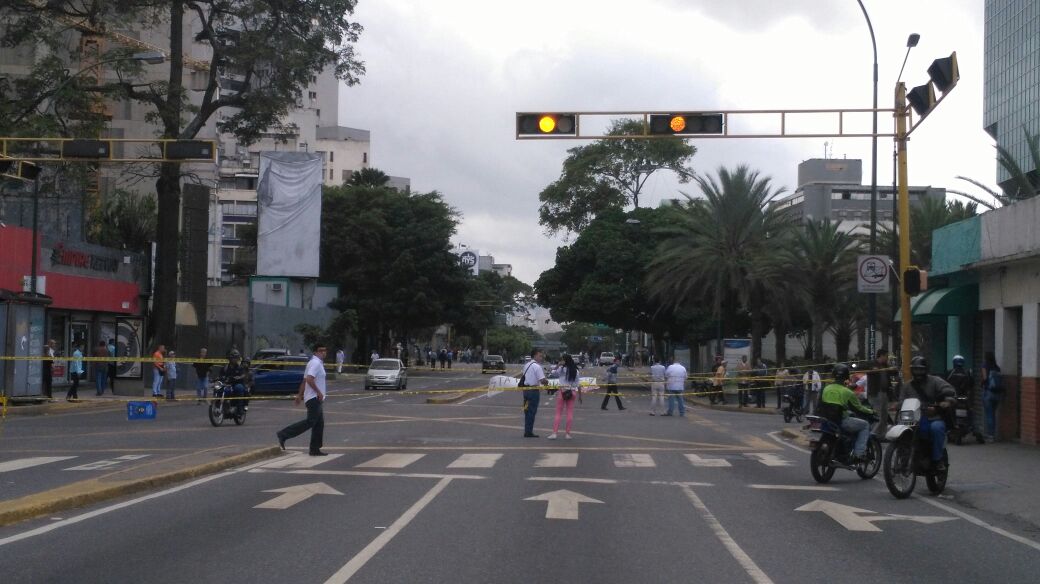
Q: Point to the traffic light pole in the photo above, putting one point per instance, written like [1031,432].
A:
[906,320]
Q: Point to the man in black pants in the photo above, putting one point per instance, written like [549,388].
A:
[312,391]
[612,376]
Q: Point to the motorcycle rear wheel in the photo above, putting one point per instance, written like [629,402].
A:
[937,481]
[798,415]
[870,468]
[900,477]
[240,417]
[820,462]
[788,415]
[216,412]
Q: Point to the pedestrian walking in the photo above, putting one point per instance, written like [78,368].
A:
[112,368]
[812,386]
[101,368]
[340,358]
[675,383]
[171,375]
[531,378]
[657,376]
[992,394]
[201,376]
[75,373]
[744,381]
[158,370]
[719,379]
[879,389]
[47,368]
[612,388]
[312,393]
[568,393]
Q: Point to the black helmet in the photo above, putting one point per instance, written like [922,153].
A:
[841,373]
[234,354]
[919,367]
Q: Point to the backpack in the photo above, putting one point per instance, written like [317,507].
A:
[994,383]
[960,380]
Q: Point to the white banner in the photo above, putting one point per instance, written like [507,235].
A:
[288,197]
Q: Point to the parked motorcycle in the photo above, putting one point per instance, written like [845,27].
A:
[792,406]
[909,454]
[963,424]
[223,406]
[832,449]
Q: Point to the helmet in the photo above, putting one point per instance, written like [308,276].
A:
[841,372]
[958,361]
[919,368]
[234,354]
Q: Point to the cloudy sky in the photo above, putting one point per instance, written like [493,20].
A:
[445,79]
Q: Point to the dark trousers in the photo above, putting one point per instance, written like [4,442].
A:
[73,392]
[612,389]
[531,399]
[315,422]
[46,374]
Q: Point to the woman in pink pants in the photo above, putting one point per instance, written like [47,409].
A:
[570,384]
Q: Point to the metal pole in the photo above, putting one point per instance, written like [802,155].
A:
[872,298]
[35,235]
[904,227]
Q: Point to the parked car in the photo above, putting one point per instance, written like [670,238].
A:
[269,354]
[386,373]
[606,358]
[493,363]
[283,376]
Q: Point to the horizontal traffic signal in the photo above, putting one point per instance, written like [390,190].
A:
[685,124]
[92,149]
[546,124]
[189,150]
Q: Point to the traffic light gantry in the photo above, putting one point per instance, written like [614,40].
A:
[104,150]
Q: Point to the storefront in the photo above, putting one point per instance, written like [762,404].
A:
[96,296]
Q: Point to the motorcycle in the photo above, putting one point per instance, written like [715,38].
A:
[223,406]
[909,455]
[792,406]
[963,425]
[832,450]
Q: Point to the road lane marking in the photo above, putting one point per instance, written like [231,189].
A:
[634,461]
[103,464]
[574,480]
[357,562]
[23,463]
[370,473]
[563,503]
[769,459]
[295,494]
[301,461]
[855,519]
[711,462]
[557,460]
[728,542]
[472,460]
[794,488]
[393,460]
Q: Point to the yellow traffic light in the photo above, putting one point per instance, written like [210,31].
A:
[686,124]
[545,124]
[677,124]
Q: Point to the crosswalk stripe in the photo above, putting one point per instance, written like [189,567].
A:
[301,461]
[713,462]
[633,461]
[21,463]
[475,461]
[768,459]
[394,460]
[557,460]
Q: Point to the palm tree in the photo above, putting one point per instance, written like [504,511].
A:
[368,177]
[828,262]
[1022,185]
[734,242]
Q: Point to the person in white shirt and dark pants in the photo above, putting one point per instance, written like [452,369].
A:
[675,383]
[312,392]
[531,379]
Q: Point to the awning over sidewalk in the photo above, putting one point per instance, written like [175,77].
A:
[954,301]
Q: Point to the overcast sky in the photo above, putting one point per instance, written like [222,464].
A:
[445,79]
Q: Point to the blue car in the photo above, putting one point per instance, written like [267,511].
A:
[283,376]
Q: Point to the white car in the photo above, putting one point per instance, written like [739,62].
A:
[606,358]
[386,373]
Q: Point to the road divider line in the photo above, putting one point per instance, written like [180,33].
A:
[357,562]
[369,473]
[793,488]
[728,542]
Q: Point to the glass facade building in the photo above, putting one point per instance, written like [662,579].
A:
[1011,92]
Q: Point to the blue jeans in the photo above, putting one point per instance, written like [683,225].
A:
[157,381]
[531,399]
[200,387]
[861,428]
[675,397]
[990,402]
[936,431]
[101,379]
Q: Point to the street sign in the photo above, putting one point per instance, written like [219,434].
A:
[140,410]
[872,274]
[853,518]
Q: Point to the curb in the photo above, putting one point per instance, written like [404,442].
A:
[88,492]
[448,399]
[56,407]
[728,408]
[795,435]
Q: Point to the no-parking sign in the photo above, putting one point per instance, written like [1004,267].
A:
[872,274]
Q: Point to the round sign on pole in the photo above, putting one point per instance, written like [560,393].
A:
[872,274]
[469,260]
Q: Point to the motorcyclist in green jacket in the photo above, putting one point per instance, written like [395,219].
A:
[837,401]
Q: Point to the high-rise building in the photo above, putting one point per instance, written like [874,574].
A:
[1011,91]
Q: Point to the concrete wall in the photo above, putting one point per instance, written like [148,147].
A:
[1011,231]
[956,245]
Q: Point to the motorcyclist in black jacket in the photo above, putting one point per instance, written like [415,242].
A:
[236,375]
[938,399]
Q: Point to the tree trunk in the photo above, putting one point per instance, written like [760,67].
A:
[817,339]
[780,330]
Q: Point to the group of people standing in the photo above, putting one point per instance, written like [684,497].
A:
[104,371]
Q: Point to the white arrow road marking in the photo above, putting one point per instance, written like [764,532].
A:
[849,517]
[295,494]
[30,462]
[769,459]
[563,504]
[557,460]
[102,464]
[699,461]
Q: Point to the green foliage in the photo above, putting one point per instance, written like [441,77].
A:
[925,217]
[331,336]
[125,220]
[368,177]
[608,174]
[510,341]
[827,259]
[577,336]
[487,299]
[1022,184]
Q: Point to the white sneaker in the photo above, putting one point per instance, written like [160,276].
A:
[567,436]
[552,436]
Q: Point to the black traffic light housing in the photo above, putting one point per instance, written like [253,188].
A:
[546,124]
[915,281]
[944,73]
[28,170]
[91,149]
[685,124]
[922,99]
[189,150]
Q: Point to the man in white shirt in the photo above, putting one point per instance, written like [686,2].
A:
[657,374]
[532,376]
[675,382]
[312,392]
[340,358]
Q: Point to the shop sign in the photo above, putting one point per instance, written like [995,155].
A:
[78,259]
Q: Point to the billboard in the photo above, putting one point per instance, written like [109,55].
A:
[288,198]
[470,259]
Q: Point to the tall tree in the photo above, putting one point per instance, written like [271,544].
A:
[272,48]
[734,242]
[609,174]
[369,177]
[827,260]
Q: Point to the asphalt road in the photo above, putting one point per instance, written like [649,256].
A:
[414,492]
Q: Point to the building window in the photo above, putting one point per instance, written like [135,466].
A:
[332,175]
[312,94]
[346,175]
[364,157]
[332,156]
